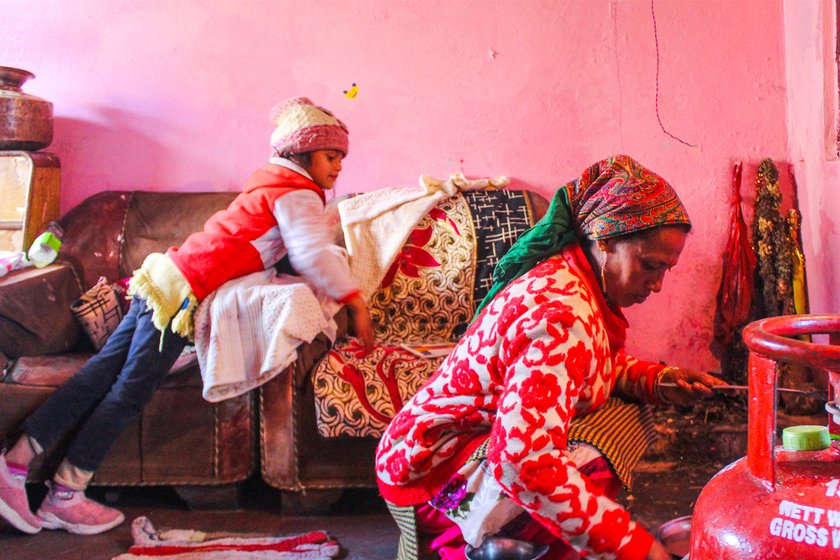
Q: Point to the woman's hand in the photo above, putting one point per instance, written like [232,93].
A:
[362,323]
[658,552]
[684,386]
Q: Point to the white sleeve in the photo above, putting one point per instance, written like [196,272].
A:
[309,240]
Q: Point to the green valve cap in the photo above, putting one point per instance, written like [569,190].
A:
[805,438]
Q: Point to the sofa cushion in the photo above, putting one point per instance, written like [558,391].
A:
[93,235]
[427,296]
[357,394]
[52,371]
[155,221]
[46,371]
[35,316]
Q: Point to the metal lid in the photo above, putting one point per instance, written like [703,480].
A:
[805,438]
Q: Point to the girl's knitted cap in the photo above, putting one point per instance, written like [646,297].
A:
[302,126]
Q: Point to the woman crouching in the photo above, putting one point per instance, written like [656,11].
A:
[482,449]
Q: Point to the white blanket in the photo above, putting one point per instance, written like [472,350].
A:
[377,224]
[247,331]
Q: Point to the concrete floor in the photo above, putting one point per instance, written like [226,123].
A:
[359,521]
[694,446]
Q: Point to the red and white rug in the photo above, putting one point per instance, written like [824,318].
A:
[185,544]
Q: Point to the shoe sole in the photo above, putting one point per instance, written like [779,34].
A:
[51,521]
[15,520]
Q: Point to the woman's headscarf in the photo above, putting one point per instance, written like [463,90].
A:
[611,198]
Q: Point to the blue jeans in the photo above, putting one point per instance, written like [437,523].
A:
[109,391]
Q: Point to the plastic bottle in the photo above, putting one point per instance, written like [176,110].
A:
[44,249]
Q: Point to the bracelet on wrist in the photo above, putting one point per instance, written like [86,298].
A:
[657,390]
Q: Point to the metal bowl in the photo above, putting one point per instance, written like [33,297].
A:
[498,548]
[676,536]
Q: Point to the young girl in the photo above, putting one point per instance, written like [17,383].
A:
[279,213]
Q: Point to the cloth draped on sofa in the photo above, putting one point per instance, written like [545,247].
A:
[427,296]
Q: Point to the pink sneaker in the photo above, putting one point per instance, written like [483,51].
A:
[14,505]
[74,512]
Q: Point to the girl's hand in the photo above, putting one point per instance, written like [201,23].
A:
[362,323]
[690,385]
[658,552]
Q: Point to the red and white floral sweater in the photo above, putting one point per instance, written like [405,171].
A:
[546,349]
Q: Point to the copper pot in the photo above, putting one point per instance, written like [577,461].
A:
[26,121]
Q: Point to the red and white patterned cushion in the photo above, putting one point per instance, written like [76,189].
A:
[358,394]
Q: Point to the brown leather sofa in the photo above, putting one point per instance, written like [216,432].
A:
[180,439]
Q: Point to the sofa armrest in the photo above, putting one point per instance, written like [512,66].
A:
[35,316]
[299,374]
[280,401]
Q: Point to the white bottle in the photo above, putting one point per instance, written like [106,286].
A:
[44,249]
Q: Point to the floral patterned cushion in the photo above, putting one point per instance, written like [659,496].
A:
[427,296]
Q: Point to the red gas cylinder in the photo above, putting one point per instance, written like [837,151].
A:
[773,503]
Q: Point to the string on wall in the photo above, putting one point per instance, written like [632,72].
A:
[658,118]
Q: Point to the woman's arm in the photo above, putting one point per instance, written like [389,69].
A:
[635,379]
[691,385]
[640,380]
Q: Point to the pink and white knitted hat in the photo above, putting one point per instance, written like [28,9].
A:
[302,126]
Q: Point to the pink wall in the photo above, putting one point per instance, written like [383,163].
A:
[164,95]
[810,40]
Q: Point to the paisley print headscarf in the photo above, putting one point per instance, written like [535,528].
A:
[614,197]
